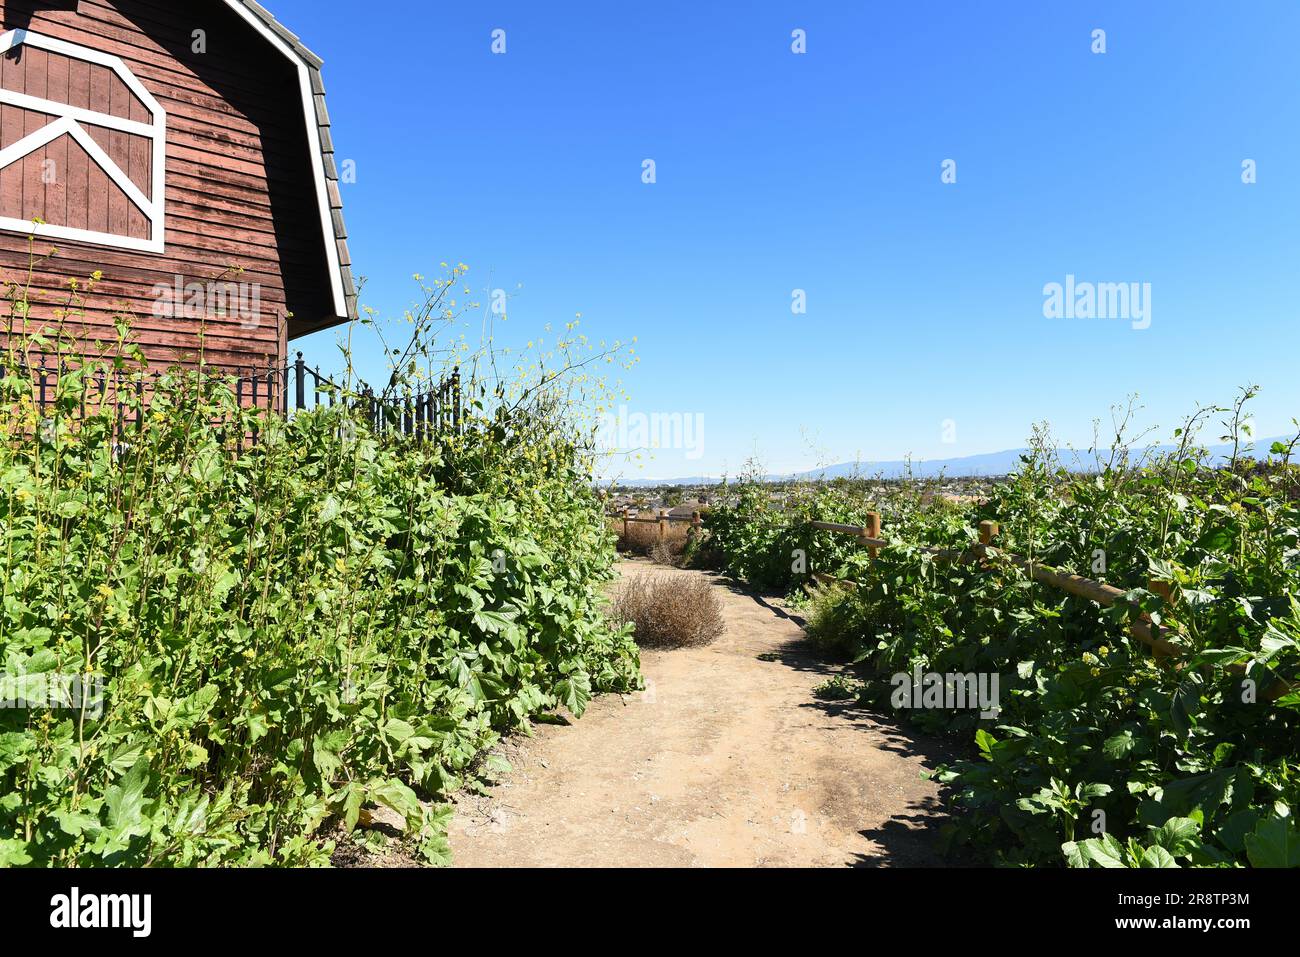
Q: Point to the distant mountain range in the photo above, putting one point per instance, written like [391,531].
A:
[970,466]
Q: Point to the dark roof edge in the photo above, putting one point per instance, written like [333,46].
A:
[332,192]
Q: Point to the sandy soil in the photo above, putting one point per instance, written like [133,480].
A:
[726,759]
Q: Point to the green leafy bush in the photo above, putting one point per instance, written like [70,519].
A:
[287,633]
[770,542]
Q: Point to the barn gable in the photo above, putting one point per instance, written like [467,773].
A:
[170,162]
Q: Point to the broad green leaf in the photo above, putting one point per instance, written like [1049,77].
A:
[574,693]
[1119,745]
[1275,842]
[1103,851]
[124,801]
[1178,835]
[1157,856]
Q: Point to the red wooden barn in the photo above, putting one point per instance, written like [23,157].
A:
[181,147]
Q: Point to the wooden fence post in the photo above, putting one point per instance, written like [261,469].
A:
[697,524]
[663,524]
[988,532]
[872,530]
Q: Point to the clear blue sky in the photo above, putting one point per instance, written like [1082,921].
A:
[821,172]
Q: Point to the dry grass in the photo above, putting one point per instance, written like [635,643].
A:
[670,611]
[668,553]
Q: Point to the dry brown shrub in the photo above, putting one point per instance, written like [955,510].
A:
[667,553]
[670,611]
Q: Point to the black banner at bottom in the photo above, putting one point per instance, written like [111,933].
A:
[222,907]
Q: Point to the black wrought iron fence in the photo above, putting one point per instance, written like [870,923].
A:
[437,410]
[419,414]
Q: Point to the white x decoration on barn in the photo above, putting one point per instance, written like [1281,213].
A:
[68,120]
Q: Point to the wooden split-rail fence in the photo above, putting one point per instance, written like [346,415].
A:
[663,519]
[1143,629]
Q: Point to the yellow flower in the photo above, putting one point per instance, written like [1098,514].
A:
[105,592]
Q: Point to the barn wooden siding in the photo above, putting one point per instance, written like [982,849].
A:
[239,188]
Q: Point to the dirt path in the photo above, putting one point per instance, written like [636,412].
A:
[727,759]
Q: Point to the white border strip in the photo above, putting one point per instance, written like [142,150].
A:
[37,105]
